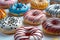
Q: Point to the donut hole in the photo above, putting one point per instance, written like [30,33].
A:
[29,32]
[19,5]
[35,13]
[6,0]
[55,22]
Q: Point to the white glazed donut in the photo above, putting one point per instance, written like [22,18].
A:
[34,17]
[9,25]
[28,33]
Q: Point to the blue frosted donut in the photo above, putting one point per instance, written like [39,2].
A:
[54,10]
[18,9]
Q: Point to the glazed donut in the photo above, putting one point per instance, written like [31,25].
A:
[39,4]
[34,17]
[6,3]
[24,1]
[51,26]
[9,25]
[53,10]
[2,14]
[18,9]
[28,33]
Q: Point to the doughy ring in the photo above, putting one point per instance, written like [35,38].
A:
[28,33]
[53,10]
[39,4]
[9,25]
[19,9]
[2,14]
[6,3]
[34,17]
[51,26]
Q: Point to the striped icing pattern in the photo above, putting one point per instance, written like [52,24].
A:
[36,33]
[50,27]
[54,9]
[2,14]
[29,16]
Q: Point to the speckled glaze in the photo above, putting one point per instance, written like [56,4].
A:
[19,8]
[9,24]
[54,10]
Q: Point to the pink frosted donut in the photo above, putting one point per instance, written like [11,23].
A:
[6,3]
[34,17]
[28,33]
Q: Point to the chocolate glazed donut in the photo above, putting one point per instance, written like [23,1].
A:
[51,26]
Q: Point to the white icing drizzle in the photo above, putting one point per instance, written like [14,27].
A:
[37,35]
[54,9]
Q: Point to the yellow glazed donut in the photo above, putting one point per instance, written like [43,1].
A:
[39,4]
[2,14]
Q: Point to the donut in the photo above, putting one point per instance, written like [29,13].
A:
[34,17]
[51,26]
[24,1]
[54,1]
[53,10]
[28,33]
[39,4]
[2,14]
[18,9]
[9,25]
[6,3]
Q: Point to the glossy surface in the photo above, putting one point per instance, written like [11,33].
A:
[19,8]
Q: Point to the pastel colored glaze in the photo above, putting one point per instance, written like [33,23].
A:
[19,8]
[34,17]
[7,2]
[28,33]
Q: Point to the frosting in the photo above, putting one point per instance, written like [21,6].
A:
[7,2]
[35,16]
[10,23]
[2,14]
[19,8]
[28,33]
[52,25]
[54,9]
[39,4]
